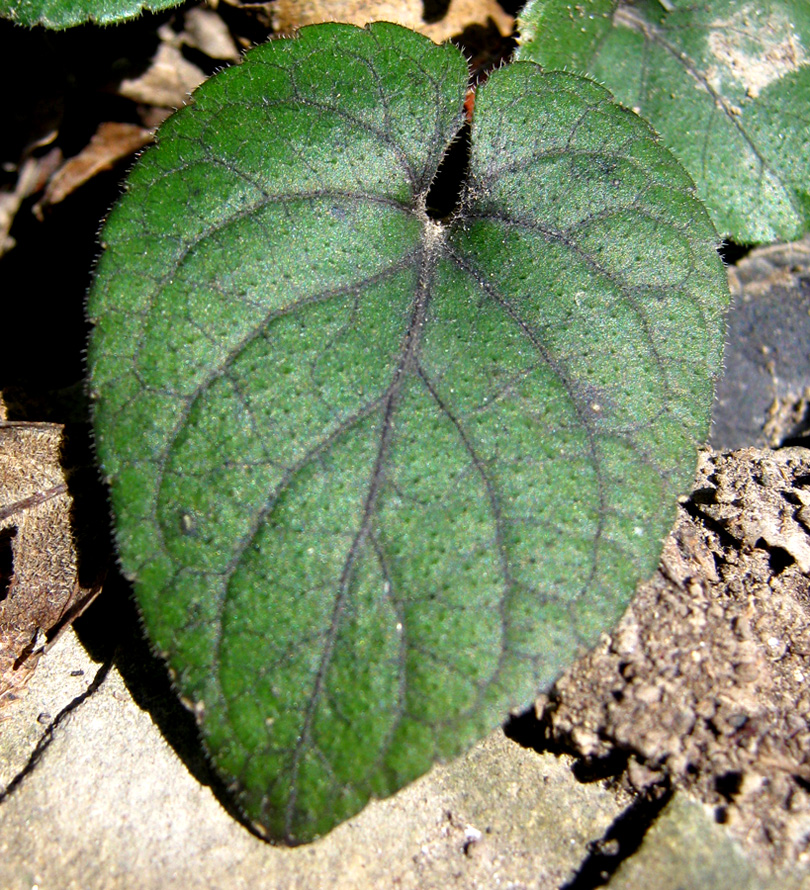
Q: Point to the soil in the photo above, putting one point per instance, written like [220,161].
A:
[703,685]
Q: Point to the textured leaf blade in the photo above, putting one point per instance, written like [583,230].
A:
[60,14]
[725,82]
[363,486]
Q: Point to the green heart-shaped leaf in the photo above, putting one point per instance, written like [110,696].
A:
[725,82]
[59,14]
[378,477]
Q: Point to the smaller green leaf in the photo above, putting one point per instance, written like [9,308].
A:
[61,14]
[725,82]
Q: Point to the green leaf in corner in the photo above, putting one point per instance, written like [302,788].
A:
[60,14]
[725,82]
[379,476]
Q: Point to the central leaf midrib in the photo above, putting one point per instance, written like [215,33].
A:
[432,234]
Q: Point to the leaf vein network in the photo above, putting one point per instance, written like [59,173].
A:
[540,348]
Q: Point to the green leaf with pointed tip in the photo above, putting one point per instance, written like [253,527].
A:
[60,14]
[725,82]
[378,477]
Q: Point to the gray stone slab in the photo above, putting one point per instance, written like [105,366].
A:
[109,805]
[62,676]
[686,849]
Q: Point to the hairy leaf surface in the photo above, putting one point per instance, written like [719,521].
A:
[725,82]
[60,14]
[378,477]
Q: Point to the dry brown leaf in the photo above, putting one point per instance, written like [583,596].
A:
[109,144]
[292,14]
[40,592]
[206,31]
[167,82]
[32,176]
